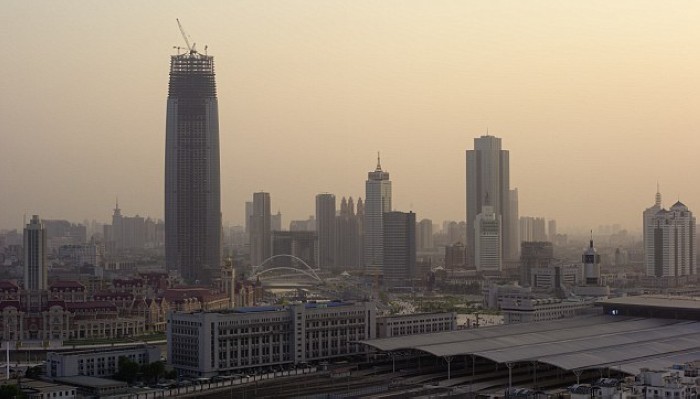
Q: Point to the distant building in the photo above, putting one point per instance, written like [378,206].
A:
[348,238]
[455,256]
[276,221]
[260,229]
[399,265]
[35,256]
[326,230]
[539,254]
[192,169]
[303,225]
[514,226]
[488,174]
[527,310]
[424,235]
[300,244]
[669,240]
[488,233]
[552,230]
[377,203]
[555,277]
[532,229]
[418,323]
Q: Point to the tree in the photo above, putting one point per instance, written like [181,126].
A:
[153,371]
[33,372]
[10,392]
[128,370]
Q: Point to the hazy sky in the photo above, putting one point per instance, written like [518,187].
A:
[596,101]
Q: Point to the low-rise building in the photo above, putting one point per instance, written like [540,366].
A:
[419,323]
[209,343]
[36,389]
[521,309]
[103,362]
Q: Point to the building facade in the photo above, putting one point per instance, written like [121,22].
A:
[210,343]
[488,233]
[326,230]
[377,202]
[260,229]
[192,182]
[673,252]
[399,265]
[488,173]
[419,323]
[103,362]
[35,256]
[348,236]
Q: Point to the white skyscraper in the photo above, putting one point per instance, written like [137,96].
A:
[377,202]
[488,230]
[35,262]
[673,246]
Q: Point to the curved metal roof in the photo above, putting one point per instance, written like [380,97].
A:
[580,343]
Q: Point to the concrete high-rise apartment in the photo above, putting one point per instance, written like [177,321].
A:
[513,225]
[348,236]
[672,246]
[532,229]
[192,182]
[326,230]
[488,173]
[399,249]
[260,229]
[424,235]
[552,229]
[488,230]
[534,254]
[276,221]
[648,226]
[35,256]
[377,202]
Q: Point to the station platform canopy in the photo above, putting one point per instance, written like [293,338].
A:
[592,342]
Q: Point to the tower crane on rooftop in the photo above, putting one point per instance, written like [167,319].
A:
[192,48]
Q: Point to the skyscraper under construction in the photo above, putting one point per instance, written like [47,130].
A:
[192,183]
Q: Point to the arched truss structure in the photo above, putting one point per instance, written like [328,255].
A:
[309,271]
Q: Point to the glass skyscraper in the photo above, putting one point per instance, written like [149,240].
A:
[192,183]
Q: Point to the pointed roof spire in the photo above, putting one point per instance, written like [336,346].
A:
[658,195]
[591,239]
[379,163]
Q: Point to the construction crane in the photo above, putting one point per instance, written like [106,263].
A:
[187,41]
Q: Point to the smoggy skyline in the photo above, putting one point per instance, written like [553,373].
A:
[596,102]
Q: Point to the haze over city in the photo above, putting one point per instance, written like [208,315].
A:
[595,104]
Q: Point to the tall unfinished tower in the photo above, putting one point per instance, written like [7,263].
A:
[192,183]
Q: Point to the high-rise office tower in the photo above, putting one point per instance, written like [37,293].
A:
[377,202]
[326,230]
[648,220]
[360,217]
[488,171]
[674,242]
[488,230]
[260,229]
[424,235]
[35,261]
[399,249]
[192,184]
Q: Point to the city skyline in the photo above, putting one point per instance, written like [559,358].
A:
[417,82]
